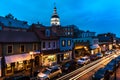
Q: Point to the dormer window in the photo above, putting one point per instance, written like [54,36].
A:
[48,33]
[10,23]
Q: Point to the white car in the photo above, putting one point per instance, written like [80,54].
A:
[49,73]
[83,61]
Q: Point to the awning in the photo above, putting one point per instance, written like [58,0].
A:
[36,52]
[17,58]
[94,46]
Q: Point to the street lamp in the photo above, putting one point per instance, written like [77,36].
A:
[115,67]
[31,53]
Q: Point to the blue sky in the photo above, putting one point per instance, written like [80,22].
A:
[100,16]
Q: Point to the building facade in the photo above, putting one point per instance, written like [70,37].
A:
[15,48]
[107,41]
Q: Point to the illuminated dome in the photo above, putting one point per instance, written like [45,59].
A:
[55,18]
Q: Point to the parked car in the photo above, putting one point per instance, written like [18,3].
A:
[49,73]
[100,74]
[83,61]
[110,67]
[36,73]
[69,66]
[99,55]
[115,62]
[93,57]
[108,52]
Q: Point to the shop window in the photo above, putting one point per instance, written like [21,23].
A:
[9,68]
[43,44]
[63,43]
[28,64]
[49,60]
[20,65]
[10,50]
[66,56]
[22,47]
[69,42]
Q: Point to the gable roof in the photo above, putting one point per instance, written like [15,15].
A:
[41,33]
[18,36]
[9,22]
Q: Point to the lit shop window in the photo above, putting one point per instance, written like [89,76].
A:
[9,68]
[66,56]
[20,65]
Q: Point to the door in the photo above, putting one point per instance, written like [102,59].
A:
[37,61]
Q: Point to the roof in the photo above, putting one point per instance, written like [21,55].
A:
[55,16]
[9,22]
[18,36]
[41,34]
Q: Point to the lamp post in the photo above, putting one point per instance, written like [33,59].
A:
[31,69]
[115,67]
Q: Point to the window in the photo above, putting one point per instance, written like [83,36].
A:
[63,42]
[68,33]
[10,49]
[34,46]
[22,47]
[47,32]
[43,44]
[53,44]
[9,68]
[48,44]
[69,42]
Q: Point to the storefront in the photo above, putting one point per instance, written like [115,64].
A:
[95,49]
[67,55]
[17,63]
[64,56]
[48,60]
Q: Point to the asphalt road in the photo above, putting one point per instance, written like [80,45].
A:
[88,76]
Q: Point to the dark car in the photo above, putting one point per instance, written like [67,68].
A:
[99,74]
[69,66]
[115,62]
[36,73]
[99,55]
[110,67]
[93,57]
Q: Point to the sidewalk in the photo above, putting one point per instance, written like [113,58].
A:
[24,73]
[117,74]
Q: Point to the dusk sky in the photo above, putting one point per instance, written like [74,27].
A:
[101,16]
